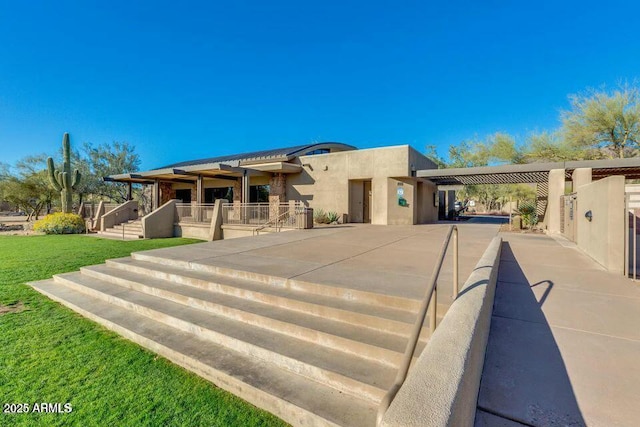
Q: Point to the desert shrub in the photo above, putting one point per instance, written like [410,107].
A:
[527,212]
[332,217]
[320,216]
[60,223]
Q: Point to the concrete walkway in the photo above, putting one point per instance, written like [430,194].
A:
[395,260]
[564,346]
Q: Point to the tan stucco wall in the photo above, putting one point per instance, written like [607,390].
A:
[603,237]
[401,215]
[580,177]
[324,182]
[442,386]
[159,223]
[192,231]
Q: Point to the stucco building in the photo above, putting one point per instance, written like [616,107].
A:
[377,185]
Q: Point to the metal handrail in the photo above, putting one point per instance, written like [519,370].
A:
[430,302]
[271,221]
[275,221]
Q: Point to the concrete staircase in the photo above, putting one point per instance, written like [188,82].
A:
[132,230]
[312,354]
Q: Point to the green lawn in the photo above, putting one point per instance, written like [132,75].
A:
[50,354]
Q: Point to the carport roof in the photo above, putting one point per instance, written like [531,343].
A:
[530,172]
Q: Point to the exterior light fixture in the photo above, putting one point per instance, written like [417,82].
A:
[589,216]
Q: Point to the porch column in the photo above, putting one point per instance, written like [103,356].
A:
[556,190]
[129,192]
[451,204]
[199,190]
[442,205]
[245,186]
[155,197]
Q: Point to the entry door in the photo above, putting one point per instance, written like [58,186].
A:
[366,205]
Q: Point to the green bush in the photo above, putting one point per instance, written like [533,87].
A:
[527,211]
[60,223]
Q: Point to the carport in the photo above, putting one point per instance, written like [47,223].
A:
[553,195]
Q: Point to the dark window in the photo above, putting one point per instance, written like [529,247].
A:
[259,194]
[212,194]
[318,151]
[184,195]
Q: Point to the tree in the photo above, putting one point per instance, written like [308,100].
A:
[606,123]
[109,159]
[431,153]
[29,193]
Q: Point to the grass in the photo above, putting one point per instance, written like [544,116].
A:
[50,354]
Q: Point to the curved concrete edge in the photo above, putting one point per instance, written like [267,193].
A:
[442,387]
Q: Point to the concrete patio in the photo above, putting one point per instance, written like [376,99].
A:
[564,343]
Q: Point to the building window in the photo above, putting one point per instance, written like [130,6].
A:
[184,195]
[318,151]
[213,194]
[259,194]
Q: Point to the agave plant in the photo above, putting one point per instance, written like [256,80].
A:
[332,217]
[319,216]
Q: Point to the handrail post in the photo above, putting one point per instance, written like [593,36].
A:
[456,284]
[433,309]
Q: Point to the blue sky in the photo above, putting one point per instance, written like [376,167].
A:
[186,80]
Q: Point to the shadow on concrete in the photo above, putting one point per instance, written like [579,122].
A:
[544,296]
[524,377]
[484,219]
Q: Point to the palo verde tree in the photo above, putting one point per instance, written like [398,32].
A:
[63,181]
[607,123]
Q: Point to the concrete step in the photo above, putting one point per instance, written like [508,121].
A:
[294,398]
[376,299]
[347,373]
[377,318]
[115,232]
[352,339]
[116,235]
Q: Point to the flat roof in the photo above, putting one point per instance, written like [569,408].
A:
[530,172]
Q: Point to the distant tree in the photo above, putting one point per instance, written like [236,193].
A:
[29,193]
[550,147]
[606,123]
[431,153]
[109,159]
[31,171]
[4,171]
[502,147]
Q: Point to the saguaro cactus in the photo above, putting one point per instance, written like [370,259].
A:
[62,180]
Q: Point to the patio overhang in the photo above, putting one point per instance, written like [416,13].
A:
[184,174]
[276,167]
[530,173]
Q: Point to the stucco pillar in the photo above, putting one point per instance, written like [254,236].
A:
[580,177]
[451,202]
[556,190]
